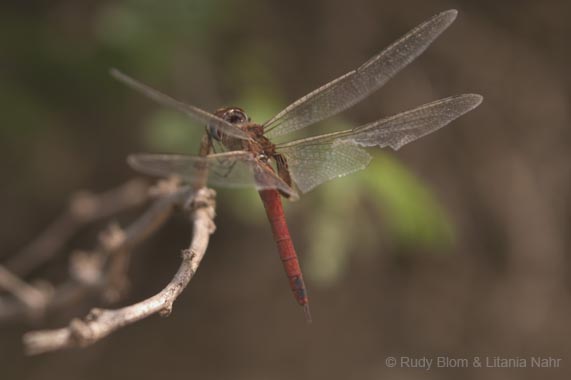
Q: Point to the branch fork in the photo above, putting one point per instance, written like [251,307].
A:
[106,265]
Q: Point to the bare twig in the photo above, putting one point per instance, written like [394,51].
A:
[29,295]
[102,322]
[104,268]
[84,208]
[118,243]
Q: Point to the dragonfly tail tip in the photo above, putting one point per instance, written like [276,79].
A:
[307,313]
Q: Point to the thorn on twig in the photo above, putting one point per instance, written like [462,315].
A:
[94,314]
[81,332]
[166,311]
[86,268]
[112,238]
[203,197]
[187,254]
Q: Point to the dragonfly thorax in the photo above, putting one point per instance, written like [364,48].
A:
[258,144]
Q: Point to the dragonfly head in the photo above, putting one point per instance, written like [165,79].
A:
[233,115]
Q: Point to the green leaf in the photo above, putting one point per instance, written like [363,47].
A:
[414,216]
[169,131]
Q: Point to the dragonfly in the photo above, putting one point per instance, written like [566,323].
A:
[247,157]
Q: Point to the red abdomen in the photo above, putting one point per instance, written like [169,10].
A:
[274,209]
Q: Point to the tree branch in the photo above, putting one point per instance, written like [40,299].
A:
[101,322]
[103,269]
[27,294]
[83,208]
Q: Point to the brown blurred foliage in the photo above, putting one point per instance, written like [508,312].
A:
[501,174]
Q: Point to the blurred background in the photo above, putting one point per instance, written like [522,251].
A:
[457,245]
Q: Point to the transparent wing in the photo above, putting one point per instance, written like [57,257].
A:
[193,112]
[354,86]
[405,127]
[313,163]
[315,160]
[233,169]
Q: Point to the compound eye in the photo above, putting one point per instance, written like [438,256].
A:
[236,116]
